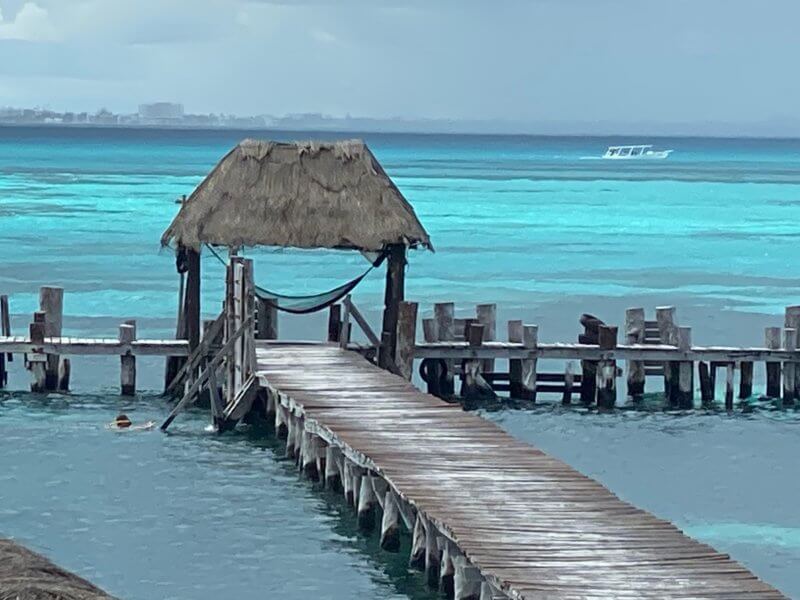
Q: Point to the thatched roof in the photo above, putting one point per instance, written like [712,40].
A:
[25,575]
[301,195]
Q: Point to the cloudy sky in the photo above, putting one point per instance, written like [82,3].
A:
[586,60]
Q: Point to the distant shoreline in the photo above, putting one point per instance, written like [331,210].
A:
[403,132]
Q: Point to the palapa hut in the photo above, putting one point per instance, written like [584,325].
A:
[301,195]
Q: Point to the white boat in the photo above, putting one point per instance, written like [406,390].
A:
[635,152]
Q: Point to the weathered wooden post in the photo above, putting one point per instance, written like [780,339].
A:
[394,294]
[515,364]
[127,334]
[635,334]
[344,336]
[789,368]
[745,379]
[530,342]
[37,360]
[569,380]
[589,367]
[5,331]
[433,372]
[685,394]
[729,369]
[444,314]
[486,315]
[772,340]
[51,302]
[406,338]
[334,322]
[792,321]
[191,310]
[267,324]
[668,332]
[64,372]
[607,369]
[706,385]
[472,385]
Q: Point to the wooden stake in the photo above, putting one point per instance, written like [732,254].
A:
[444,314]
[792,321]
[729,386]
[569,379]
[486,315]
[589,367]
[668,332]
[772,339]
[390,527]
[63,375]
[37,361]
[685,395]
[474,385]
[127,334]
[406,338]
[433,369]
[416,559]
[607,369]
[51,302]
[789,368]
[635,334]
[515,364]
[530,341]
[333,477]
[706,385]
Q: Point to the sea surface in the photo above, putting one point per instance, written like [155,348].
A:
[538,225]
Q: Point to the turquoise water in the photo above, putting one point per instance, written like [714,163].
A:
[529,223]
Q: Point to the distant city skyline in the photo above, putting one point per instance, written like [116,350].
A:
[628,62]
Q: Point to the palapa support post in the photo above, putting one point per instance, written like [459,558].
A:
[635,334]
[792,321]
[685,394]
[668,332]
[444,314]
[37,360]
[334,322]
[789,367]
[515,364]
[267,322]
[191,309]
[589,367]
[393,296]
[51,302]
[772,340]
[607,369]
[406,338]
[486,315]
[127,334]
[175,363]
[706,385]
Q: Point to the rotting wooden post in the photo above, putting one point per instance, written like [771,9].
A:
[792,321]
[635,334]
[51,302]
[37,361]
[267,325]
[334,322]
[486,315]
[416,559]
[393,296]
[432,556]
[515,364]
[406,338]
[607,369]
[64,372]
[706,385]
[127,334]
[789,368]
[569,381]
[729,369]
[745,379]
[685,395]
[530,341]
[772,340]
[668,332]
[390,524]
[444,314]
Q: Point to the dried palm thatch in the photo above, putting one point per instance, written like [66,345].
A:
[301,195]
[25,575]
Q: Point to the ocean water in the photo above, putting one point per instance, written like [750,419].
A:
[538,225]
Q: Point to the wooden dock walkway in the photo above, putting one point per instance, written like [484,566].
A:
[495,516]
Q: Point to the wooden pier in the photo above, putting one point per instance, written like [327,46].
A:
[490,516]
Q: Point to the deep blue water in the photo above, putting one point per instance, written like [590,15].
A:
[530,223]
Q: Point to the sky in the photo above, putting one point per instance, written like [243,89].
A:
[628,61]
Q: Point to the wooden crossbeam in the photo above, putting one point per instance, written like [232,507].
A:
[194,360]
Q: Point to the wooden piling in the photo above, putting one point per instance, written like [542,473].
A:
[474,385]
[390,524]
[4,319]
[729,369]
[433,368]
[267,322]
[635,334]
[37,362]
[406,338]
[569,380]
[706,385]
[127,334]
[792,321]
[530,341]
[668,332]
[51,302]
[444,314]
[745,379]
[64,372]
[515,364]
[191,307]
[607,369]
[486,315]
[772,340]
[588,367]
[685,394]
[789,367]
[334,322]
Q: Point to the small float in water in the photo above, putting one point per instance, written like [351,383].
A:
[642,151]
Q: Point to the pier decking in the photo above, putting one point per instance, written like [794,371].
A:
[495,515]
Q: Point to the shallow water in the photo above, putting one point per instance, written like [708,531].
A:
[526,222]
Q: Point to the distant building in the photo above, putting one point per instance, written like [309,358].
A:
[160,113]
